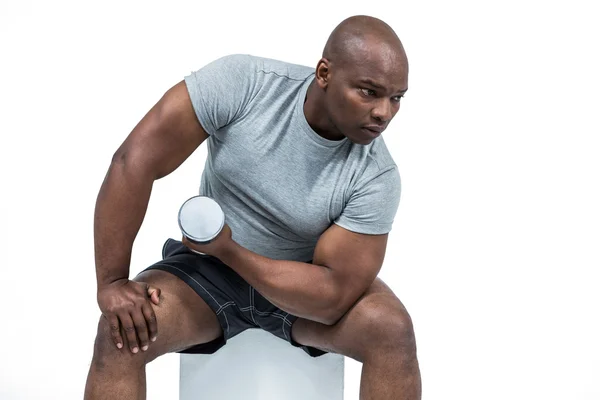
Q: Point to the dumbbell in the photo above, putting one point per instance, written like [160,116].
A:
[201,219]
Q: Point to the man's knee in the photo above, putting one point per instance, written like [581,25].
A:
[107,354]
[392,330]
[402,332]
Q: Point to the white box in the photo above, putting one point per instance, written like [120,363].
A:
[256,365]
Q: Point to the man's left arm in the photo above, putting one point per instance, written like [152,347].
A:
[344,265]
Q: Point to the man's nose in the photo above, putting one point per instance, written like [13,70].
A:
[382,112]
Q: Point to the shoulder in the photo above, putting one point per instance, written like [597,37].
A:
[379,154]
[282,69]
[376,160]
[268,68]
[232,62]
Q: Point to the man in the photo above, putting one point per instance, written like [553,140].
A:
[309,191]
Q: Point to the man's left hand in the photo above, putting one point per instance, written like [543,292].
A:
[215,248]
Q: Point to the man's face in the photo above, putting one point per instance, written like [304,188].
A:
[363,96]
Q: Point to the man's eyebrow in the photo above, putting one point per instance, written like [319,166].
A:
[377,85]
[372,83]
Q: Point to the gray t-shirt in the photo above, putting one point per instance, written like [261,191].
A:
[280,184]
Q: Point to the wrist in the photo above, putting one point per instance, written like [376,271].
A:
[108,282]
[228,251]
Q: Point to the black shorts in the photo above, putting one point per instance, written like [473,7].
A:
[238,305]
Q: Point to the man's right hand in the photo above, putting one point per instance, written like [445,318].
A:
[127,304]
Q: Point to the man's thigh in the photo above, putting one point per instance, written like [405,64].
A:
[183,318]
[377,319]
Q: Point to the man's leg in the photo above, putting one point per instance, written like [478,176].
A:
[378,332]
[183,319]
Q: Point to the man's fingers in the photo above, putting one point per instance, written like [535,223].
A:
[115,332]
[129,328]
[141,329]
[154,294]
[151,321]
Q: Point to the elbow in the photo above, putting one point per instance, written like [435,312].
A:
[131,164]
[343,300]
[121,161]
[333,317]
[118,157]
[335,310]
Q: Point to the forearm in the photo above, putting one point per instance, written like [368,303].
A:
[120,209]
[301,289]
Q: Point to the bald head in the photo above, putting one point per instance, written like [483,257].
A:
[358,82]
[356,38]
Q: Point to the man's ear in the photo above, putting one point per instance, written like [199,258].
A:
[323,73]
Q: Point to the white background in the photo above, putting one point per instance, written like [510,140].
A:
[495,248]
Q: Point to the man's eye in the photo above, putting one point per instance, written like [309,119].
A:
[368,92]
[397,98]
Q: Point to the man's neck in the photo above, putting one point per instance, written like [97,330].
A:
[315,115]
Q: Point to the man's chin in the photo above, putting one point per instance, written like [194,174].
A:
[360,140]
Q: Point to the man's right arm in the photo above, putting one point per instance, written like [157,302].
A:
[166,136]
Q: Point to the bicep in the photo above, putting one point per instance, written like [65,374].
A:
[165,137]
[355,259]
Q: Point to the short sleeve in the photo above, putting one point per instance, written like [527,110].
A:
[221,90]
[372,206]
